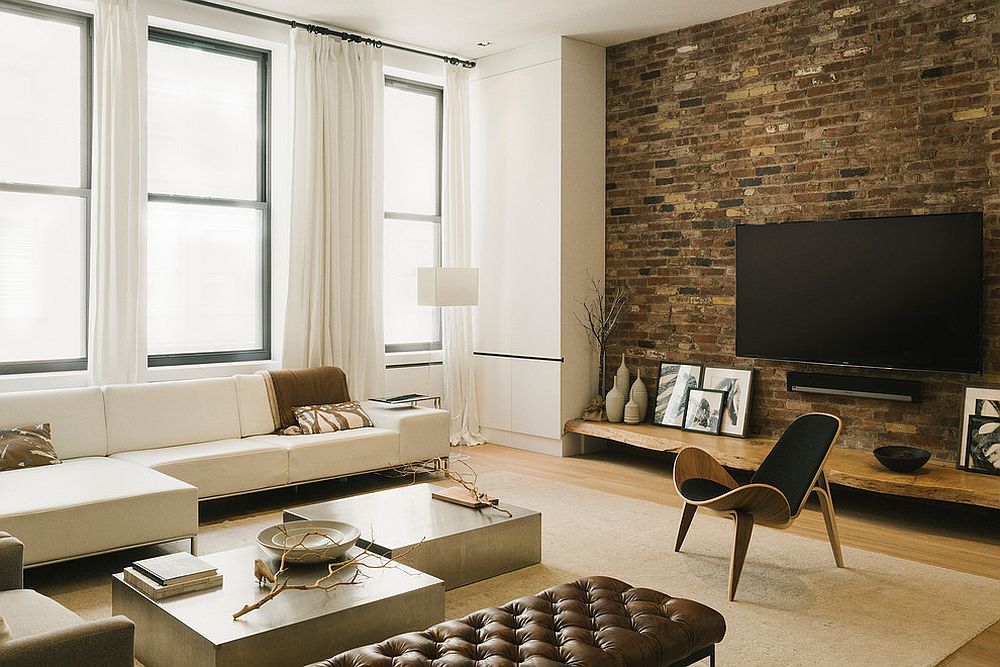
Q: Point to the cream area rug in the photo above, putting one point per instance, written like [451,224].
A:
[793,606]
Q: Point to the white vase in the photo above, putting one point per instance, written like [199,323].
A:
[632,412]
[639,395]
[621,377]
[614,404]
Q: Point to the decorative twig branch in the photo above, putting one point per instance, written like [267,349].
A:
[601,311]
[363,561]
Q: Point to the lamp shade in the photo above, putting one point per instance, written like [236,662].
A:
[447,286]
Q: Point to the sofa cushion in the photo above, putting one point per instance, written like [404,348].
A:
[29,613]
[76,417]
[164,414]
[220,467]
[325,455]
[26,447]
[89,505]
[255,408]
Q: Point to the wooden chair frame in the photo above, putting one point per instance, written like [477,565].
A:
[750,504]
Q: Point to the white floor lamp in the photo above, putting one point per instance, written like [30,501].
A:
[455,286]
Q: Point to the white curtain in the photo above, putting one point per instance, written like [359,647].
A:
[456,220]
[115,243]
[334,309]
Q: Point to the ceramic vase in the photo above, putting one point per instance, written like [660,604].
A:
[632,412]
[639,395]
[614,404]
[621,377]
[4,630]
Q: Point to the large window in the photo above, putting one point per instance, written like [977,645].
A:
[208,216]
[412,212]
[45,67]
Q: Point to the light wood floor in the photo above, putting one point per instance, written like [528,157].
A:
[947,536]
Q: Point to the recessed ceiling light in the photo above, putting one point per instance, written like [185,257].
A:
[483,44]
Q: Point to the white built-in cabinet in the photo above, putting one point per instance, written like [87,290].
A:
[538,214]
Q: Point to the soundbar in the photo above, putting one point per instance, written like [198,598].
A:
[860,386]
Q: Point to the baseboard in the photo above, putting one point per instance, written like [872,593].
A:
[530,443]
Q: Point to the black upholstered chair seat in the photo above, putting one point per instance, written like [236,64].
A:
[699,489]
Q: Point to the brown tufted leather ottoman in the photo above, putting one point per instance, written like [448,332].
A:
[594,622]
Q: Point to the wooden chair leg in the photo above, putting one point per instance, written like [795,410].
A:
[682,530]
[826,505]
[744,528]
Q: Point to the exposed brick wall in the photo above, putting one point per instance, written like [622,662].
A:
[800,111]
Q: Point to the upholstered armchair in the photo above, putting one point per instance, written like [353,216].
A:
[46,634]
[775,495]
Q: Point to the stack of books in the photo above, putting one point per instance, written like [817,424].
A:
[173,574]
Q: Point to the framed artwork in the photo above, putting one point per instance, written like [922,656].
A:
[704,410]
[737,384]
[980,446]
[672,387]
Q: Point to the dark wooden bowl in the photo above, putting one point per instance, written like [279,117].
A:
[902,458]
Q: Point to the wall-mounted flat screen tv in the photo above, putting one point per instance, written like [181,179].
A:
[902,292]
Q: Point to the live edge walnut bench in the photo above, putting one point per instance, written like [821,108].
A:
[594,622]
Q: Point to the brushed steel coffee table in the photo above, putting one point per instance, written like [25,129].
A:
[457,544]
[295,628]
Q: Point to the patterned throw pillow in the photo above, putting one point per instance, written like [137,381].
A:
[332,417]
[27,447]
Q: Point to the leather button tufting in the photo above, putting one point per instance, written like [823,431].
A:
[594,621]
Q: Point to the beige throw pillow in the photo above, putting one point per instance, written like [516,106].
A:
[26,447]
[331,417]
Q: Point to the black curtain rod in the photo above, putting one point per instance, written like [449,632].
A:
[322,30]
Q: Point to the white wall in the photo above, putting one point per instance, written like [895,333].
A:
[538,212]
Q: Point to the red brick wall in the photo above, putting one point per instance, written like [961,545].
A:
[801,111]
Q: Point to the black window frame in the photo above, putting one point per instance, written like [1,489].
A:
[86,24]
[438,93]
[262,203]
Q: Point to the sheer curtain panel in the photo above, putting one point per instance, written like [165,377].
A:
[456,210]
[334,308]
[115,237]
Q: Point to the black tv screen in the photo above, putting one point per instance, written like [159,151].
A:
[901,292]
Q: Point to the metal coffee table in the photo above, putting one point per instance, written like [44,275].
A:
[295,628]
[461,545]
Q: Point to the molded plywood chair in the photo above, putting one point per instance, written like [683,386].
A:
[776,494]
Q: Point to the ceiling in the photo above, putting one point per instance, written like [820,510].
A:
[455,26]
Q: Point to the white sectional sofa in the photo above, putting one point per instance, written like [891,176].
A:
[137,458]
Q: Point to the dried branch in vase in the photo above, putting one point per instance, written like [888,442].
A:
[601,310]
[279,581]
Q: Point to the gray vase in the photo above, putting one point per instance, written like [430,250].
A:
[632,412]
[614,404]
[622,377]
[640,395]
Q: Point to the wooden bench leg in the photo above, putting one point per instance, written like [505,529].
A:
[826,505]
[744,529]
[682,530]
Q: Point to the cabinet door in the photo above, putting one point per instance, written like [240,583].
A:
[535,398]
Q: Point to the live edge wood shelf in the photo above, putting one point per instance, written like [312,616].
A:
[848,467]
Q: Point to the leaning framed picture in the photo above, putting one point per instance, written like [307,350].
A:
[672,385]
[980,446]
[737,384]
[704,410]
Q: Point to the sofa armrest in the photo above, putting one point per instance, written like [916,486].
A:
[107,642]
[423,432]
[11,562]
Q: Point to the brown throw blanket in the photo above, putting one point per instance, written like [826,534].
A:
[288,389]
